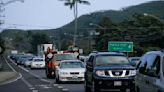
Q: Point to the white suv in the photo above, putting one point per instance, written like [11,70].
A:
[150,72]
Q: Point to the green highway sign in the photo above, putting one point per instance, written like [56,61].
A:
[120,46]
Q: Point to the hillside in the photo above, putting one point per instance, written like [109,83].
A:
[154,7]
[63,36]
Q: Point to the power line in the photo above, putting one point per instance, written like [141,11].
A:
[28,25]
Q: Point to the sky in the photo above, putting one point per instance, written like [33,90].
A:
[51,14]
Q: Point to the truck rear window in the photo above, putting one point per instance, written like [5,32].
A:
[59,57]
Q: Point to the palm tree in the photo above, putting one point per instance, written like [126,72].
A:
[73,4]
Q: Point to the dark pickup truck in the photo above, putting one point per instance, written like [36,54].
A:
[109,71]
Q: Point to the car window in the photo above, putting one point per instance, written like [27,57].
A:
[155,67]
[38,60]
[143,64]
[71,65]
[151,59]
[143,60]
[113,60]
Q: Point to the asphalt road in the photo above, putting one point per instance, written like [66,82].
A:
[71,86]
[36,81]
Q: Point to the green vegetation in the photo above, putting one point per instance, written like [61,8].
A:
[127,24]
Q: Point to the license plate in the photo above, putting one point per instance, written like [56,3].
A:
[74,77]
[117,83]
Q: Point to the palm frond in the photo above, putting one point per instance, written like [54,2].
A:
[84,2]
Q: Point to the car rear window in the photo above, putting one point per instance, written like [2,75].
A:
[59,57]
[38,60]
[113,60]
[72,65]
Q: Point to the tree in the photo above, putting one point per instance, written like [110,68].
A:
[73,4]
[2,45]
[37,39]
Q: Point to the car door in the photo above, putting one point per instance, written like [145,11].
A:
[139,79]
[152,75]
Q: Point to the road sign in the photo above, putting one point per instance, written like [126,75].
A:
[120,46]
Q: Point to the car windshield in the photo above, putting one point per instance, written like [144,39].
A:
[72,65]
[113,60]
[38,60]
[59,57]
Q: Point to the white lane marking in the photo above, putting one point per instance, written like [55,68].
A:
[32,88]
[45,80]
[20,76]
[12,61]
[60,87]
[65,89]
[27,83]
[35,91]
[9,65]
[23,68]
[34,74]
[55,85]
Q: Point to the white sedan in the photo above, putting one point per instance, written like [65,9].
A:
[70,70]
[37,63]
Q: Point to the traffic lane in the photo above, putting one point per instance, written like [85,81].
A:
[71,86]
[33,82]
[40,73]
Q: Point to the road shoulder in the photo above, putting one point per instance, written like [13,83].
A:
[8,77]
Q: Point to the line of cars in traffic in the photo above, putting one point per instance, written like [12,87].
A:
[110,71]
[29,60]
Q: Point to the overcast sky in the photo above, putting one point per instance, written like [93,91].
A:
[50,14]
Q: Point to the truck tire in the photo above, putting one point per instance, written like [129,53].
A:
[48,73]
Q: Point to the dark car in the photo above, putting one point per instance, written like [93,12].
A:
[109,71]
[150,72]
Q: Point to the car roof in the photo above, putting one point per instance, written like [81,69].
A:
[156,52]
[108,53]
[76,60]
[63,53]
[37,58]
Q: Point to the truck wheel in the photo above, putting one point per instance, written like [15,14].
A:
[48,74]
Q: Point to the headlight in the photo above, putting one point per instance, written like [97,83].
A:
[82,72]
[100,73]
[64,73]
[132,73]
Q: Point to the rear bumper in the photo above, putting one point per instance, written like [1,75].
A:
[66,79]
[72,78]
